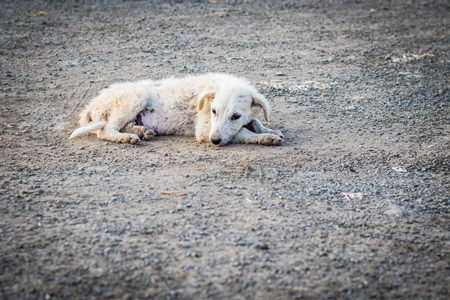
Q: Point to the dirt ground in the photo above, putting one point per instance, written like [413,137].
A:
[360,89]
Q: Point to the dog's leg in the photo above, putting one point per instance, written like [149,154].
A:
[256,126]
[202,128]
[111,133]
[245,136]
[119,118]
[118,137]
[141,131]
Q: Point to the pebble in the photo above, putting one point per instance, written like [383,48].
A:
[395,211]
[261,246]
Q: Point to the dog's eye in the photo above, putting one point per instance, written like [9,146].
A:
[213,111]
[235,116]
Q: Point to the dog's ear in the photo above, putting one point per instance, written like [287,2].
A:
[261,102]
[203,97]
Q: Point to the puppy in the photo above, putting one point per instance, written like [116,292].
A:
[218,108]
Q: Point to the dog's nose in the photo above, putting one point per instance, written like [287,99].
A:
[216,141]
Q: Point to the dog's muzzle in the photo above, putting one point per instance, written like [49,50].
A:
[216,141]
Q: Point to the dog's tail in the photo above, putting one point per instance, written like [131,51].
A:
[89,127]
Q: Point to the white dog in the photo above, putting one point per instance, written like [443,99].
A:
[215,107]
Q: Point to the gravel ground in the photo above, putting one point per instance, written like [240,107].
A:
[354,205]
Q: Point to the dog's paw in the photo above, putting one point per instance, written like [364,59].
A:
[279,133]
[131,139]
[134,141]
[143,132]
[149,134]
[271,140]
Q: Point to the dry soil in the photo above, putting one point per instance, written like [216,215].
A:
[355,204]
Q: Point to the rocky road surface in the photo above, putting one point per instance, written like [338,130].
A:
[354,205]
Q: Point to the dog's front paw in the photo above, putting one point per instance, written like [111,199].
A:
[279,133]
[271,139]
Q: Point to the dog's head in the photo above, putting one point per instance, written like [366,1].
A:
[232,107]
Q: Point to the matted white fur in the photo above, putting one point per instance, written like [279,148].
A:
[216,107]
